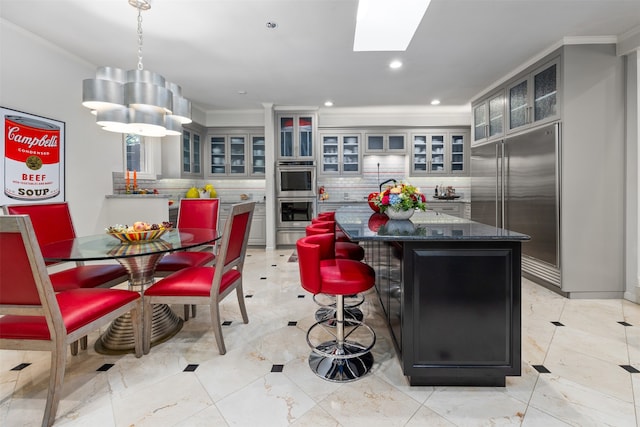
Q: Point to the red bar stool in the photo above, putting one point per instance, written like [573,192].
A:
[342,357]
[331,216]
[343,250]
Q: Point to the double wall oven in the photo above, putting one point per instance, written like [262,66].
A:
[296,199]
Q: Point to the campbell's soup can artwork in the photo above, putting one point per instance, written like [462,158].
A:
[31,158]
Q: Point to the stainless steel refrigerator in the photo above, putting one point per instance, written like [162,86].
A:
[515,185]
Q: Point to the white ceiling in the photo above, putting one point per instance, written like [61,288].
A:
[215,48]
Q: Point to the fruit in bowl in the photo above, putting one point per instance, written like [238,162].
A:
[140,231]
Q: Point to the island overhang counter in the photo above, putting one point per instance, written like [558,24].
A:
[450,290]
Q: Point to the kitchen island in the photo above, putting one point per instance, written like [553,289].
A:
[450,290]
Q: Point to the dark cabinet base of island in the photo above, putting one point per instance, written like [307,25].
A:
[453,308]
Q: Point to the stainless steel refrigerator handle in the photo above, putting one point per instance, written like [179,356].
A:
[503,184]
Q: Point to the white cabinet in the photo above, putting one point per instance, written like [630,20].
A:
[191,154]
[488,117]
[258,231]
[296,135]
[440,153]
[340,153]
[449,208]
[385,143]
[533,98]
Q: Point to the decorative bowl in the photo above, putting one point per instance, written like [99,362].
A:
[399,214]
[138,236]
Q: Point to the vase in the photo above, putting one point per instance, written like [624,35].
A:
[400,214]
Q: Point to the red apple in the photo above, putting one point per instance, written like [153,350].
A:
[370,199]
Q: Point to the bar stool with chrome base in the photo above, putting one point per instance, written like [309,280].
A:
[344,250]
[340,358]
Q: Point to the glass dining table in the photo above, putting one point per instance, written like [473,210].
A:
[140,259]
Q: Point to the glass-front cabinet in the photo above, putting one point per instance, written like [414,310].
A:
[340,154]
[296,136]
[258,154]
[440,153]
[533,98]
[234,153]
[227,155]
[488,118]
[385,143]
[191,153]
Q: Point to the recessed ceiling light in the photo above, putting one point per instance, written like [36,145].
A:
[395,64]
[242,92]
[383,25]
[328,103]
[435,102]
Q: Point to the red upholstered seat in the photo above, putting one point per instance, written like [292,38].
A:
[321,273]
[206,284]
[35,317]
[87,276]
[78,308]
[179,260]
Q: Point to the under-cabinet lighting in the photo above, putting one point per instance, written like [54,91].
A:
[435,102]
[383,25]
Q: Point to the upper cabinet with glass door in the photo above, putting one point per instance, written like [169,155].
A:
[258,154]
[385,143]
[227,155]
[533,99]
[296,134]
[191,153]
[488,118]
[340,154]
[440,153]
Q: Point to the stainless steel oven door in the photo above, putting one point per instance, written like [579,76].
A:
[295,212]
[296,181]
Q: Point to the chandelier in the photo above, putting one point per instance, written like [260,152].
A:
[136,101]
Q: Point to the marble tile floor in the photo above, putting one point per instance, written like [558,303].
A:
[579,369]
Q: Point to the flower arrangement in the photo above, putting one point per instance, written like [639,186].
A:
[401,197]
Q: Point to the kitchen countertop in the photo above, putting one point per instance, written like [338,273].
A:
[360,223]
[138,196]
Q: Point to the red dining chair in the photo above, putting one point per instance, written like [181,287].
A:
[34,317]
[192,213]
[52,222]
[208,284]
[338,359]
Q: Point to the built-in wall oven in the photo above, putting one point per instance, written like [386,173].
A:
[295,200]
[296,179]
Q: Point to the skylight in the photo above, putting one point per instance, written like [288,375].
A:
[384,25]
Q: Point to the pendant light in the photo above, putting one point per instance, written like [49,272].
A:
[136,101]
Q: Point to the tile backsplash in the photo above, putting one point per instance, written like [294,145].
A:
[376,169]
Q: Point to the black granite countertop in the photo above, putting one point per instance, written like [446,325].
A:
[361,223]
